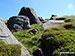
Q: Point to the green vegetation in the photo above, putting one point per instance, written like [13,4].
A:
[28,39]
[66,18]
[52,40]
[9,50]
[57,39]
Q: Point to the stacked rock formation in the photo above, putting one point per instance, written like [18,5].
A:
[25,18]
[29,12]
[17,23]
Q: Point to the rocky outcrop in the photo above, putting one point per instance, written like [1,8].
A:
[52,23]
[29,12]
[42,20]
[8,38]
[53,17]
[17,23]
[25,18]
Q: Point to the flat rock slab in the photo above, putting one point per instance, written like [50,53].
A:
[8,38]
[52,23]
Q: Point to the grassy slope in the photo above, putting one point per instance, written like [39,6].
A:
[28,39]
[9,50]
[60,38]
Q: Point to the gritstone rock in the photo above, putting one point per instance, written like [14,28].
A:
[18,22]
[53,17]
[29,12]
[52,23]
[8,38]
[42,20]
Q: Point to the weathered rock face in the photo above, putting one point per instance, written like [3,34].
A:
[53,17]
[29,12]
[8,38]
[18,22]
[52,23]
[42,20]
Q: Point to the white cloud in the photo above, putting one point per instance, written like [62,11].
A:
[70,6]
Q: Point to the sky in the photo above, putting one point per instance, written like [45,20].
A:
[43,8]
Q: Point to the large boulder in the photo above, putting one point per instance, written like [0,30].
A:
[8,38]
[52,23]
[18,23]
[29,12]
